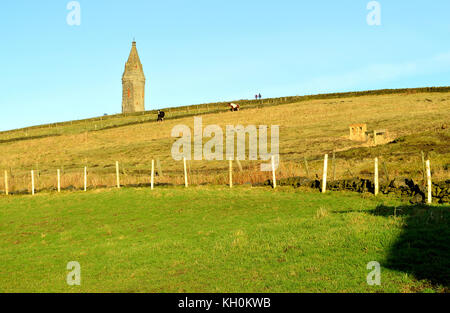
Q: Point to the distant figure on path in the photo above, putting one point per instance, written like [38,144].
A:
[256,97]
[259,96]
[234,107]
[161,115]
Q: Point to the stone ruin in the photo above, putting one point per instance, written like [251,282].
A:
[358,132]
[378,136]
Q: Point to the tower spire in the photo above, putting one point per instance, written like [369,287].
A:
[133,83]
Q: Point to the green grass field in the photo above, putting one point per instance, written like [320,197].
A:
[213,239]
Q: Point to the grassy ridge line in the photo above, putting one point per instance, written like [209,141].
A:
[215,107]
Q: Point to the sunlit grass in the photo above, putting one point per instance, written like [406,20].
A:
[202,239]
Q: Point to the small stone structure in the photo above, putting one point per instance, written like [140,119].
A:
[378,136]
[358,132]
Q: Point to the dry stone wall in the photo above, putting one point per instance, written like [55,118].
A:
[404,188]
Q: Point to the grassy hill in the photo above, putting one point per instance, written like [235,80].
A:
[213,239]
[311,126]
[217,239]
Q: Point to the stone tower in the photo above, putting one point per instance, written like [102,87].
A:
[133,84]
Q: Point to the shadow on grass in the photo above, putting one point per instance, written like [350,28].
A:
[423,248]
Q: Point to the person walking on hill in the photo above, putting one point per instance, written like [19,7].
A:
[259,96]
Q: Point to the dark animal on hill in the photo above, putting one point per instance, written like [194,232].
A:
[161,115]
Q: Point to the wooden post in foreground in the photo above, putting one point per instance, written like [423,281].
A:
[32,182]
[424,172]
[334,165]
[239,165]
[386,173]
[324,178]
[158,167]
[231,173]
[185,173]
[153,175]
[58,172]
[85,178]
[117,174]
[6,183]
[306,166]
[429,181]
[377,187]
[273,173]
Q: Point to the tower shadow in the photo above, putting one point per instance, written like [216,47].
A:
[423,248]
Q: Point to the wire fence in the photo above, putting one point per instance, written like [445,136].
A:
[172,173]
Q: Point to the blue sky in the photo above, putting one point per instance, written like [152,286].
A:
[205,51]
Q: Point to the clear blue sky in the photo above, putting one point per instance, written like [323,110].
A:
[209,50]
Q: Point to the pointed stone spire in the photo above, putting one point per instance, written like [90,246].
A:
[133,84]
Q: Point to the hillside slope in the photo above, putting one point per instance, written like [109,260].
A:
[308,128]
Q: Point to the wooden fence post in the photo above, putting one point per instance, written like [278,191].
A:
[273,173]
[153,175]
[6,183]
[386,173]
[231,173]
[377,187]
[58,172]
[188,164]
[85,178]
[375,137]
[117,174]
[306,166]
[324,179]
[239,165]
[423,166]
[32,182]
[185,173]
[429,199]
[334,165]
[158,167]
